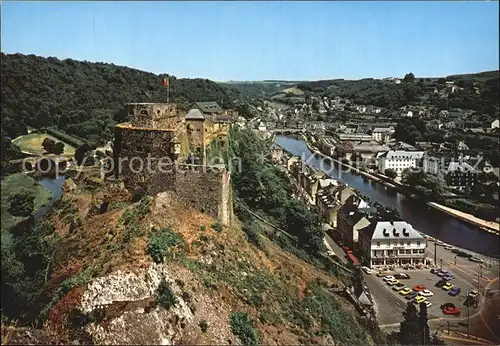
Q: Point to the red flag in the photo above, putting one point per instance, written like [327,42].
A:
[164,82]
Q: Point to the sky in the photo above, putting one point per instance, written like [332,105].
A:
[262,40]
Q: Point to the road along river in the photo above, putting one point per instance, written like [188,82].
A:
[425,219]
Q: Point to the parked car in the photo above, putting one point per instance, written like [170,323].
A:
[400,276]
[449,247]
[439,242]
[442,273]
[405,291]
[440,283]
[475,259]
[448,277]
[451,311]
[367,270]
[473,293]
[398,287]
[388,277]
[454,291]
[419,299]
[428,304]
[447,286]
[392,282]
[461,253]
[426,293]
[419,288]
[435,270]
[447,305]
[411,295]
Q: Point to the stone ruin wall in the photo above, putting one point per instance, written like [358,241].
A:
[155,115]
[207,189]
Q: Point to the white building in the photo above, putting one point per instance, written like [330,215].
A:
[392,243]
[495,124]
[398,160]
[262,126]
[382,134]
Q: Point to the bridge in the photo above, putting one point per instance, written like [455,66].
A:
[286,131]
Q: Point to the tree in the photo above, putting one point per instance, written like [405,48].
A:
[58,148]
[357,281]
[48,144]
[391,173]
[409,78]
[22,203]
[80,153]
[414,329]
[410,330]
[8,150]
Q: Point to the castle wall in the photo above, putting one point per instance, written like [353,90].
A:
[149,146]
[205,189]
[145,156]
[155,115]
[196,133]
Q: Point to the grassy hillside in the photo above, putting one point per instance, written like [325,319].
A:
[220,286]
[84,98]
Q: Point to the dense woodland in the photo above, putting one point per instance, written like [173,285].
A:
[84,99]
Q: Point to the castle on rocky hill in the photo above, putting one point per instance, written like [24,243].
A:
[155,148]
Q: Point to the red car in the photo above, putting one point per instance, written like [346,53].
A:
[418,288]
[451,311]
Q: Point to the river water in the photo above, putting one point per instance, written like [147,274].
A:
[423,218]
[55,186]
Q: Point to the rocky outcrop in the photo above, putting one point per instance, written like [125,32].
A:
[139,323]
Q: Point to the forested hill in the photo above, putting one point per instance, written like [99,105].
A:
[82,98]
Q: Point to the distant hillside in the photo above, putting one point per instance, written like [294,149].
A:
[83,98]
[481,76]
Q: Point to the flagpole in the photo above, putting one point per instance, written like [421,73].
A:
[168,91]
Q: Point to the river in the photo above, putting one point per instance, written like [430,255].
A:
[55,186]
[423,218]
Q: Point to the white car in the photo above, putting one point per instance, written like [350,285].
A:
[389,278]
[473,294]
[439,242]
[426,293]
[367,270]
[449,247]
[428,304]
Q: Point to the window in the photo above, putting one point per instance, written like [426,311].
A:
[408,243]
[401,243]
[418,242]
[408,252]
[378,244]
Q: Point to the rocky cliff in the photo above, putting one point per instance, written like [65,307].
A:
[158,272]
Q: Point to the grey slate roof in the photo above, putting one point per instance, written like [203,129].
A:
[391,230]
[209,107]
[195,114]
[455,166]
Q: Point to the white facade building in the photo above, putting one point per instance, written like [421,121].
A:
[382,134]
[392,243]
[399,160]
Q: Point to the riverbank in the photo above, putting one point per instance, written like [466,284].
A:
[10,185]
[483,225]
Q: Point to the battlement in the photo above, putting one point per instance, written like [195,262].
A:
[154,115]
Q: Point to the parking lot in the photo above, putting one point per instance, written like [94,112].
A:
[427,279]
